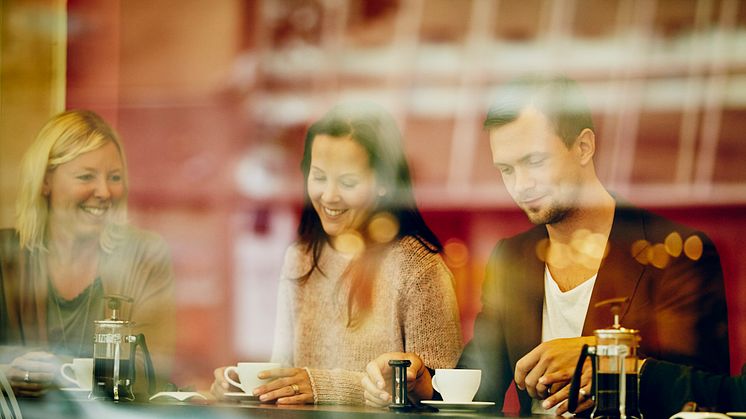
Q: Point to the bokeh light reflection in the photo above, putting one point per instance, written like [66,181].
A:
[660,256]
[383,228]
[350,242]
[640,251]
[456,252]
[693,247]
[674,244]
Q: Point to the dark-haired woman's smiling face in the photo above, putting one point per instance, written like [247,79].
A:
[341,184]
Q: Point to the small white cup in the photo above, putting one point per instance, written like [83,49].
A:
[247,374]
[457,385]
[81,372]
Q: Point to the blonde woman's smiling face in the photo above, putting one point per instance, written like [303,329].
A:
[84,191]
[341,184]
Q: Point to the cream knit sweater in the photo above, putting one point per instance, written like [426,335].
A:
[414,310]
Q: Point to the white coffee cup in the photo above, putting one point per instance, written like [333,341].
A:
[457,385]
[81,372]
[247,374]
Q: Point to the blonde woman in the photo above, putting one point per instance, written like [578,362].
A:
[70,247]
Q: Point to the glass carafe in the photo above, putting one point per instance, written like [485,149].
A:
[614,360]
[114,349]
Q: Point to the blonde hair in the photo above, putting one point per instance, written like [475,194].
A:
[62,139]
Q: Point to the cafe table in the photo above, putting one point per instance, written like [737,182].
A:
[57,405]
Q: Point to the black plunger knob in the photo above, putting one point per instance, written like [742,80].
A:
[399,383]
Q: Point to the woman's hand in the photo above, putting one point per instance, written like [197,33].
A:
[377,379]
[288,386]
[220,386]
[32,374]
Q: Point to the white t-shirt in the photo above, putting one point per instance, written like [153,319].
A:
[563,316]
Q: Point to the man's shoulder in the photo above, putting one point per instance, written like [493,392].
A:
[656,227]
[521,242]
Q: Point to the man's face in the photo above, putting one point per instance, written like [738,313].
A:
[539,171]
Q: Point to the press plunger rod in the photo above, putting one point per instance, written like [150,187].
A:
[115,303]
[116,373]
[616,318]
[616,308]
[622,382]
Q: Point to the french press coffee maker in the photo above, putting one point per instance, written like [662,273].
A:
[114,349]
[614,361]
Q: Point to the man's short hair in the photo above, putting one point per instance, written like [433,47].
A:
[557,97]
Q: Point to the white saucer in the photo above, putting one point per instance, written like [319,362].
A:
[76,389]
[462,406]
[76,393]
[241,396]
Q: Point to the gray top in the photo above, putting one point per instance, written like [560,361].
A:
[70,322]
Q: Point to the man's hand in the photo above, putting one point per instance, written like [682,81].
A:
[378,375]
[558,355]
[557,381]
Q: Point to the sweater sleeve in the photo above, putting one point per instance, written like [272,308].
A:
[431,324]
[330,386]
[336,386]
[282,347]
[295,264]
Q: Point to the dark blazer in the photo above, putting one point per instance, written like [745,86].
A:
[678,307]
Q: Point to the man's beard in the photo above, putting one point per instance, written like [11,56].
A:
[552,215]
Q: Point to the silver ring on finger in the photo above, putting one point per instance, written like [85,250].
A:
[296,389]
[26,377]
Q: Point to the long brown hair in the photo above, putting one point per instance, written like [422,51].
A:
[374,129]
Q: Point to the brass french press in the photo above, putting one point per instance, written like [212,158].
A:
[114,349]
[614,386]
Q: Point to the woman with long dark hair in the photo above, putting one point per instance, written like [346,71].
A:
[365,275]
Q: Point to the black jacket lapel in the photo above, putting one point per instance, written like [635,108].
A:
[620,272]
